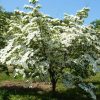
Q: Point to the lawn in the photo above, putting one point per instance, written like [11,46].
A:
[17,89]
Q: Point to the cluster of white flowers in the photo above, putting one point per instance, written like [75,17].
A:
[28,7]
[19,71]
[89,89]
[4,52]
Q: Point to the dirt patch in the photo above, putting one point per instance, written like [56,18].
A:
[40,85]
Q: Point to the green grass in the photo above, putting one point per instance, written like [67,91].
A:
[70,94]
[94,79]
[10,77]
[63,93]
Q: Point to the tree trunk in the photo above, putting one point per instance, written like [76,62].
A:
[53,80]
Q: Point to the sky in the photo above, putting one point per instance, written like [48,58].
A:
[57,8]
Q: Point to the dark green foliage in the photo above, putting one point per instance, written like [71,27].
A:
[96,24]
[3,20]
[4,25]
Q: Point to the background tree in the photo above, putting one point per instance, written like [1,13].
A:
[4,27]
[96,24]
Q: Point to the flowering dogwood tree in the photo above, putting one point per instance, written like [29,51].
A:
[39,44]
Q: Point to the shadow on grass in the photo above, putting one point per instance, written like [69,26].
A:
[70,94]
[98,90]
